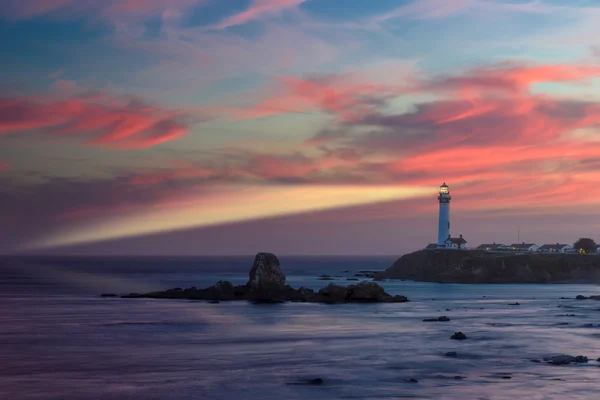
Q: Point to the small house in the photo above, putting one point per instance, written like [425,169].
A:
[458,243]
[556,248]
[490,247]
[530,247]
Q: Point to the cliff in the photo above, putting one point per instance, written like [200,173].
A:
[453,266]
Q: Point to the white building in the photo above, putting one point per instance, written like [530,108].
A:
[444,220]
[458,243]
[531,247]
[556,248]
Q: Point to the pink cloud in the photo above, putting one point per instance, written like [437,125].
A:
[101,120]
[347,96]
[22,9]
[259,9]
[4,165]
[437,9]
[426,9]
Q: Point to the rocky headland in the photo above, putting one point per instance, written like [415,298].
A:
[473,266]
[266,284]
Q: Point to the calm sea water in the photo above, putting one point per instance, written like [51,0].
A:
[60,340]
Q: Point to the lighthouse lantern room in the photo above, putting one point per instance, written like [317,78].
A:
[444,221]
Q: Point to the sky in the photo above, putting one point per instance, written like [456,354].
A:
[308,127]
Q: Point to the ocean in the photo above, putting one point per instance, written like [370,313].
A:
[60,340]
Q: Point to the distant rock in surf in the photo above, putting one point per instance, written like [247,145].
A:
[266,285]
[565,359]
[458,336]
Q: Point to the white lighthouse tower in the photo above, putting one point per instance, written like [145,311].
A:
[444,223]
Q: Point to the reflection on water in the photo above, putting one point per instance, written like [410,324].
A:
[63,341]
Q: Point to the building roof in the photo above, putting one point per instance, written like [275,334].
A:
[523,245]
[492,246]
[458,240]
[554,246]
[432,246]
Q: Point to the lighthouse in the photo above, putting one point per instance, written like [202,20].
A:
[444,222]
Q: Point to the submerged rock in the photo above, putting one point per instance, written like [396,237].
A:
[438,319]
[315,382]
[565,359]
[582,297]
[364,292]
[458,336]
[108,295]
[451,354]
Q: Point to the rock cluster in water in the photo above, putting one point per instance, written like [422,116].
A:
[266,284]
[475,266]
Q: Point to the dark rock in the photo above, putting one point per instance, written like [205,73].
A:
[108,295]
[430,320]
[411,380]
[314,382]
[580,297]
[451,354]
[443,319]
[326,279]
[267,301]
[514,304]
[535,361]
[132,296]
[565,359]
[364,292]
[222,290]
[214,302]
[266,285]
[458,336]
[352,279]
[378,279]
[507,377]
[266,279]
